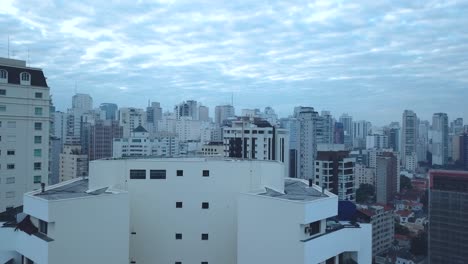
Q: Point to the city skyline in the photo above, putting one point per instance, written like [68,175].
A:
[386,57]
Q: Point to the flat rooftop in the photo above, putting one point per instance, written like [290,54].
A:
[73,189]
[296,190]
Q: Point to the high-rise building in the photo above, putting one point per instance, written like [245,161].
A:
[324,128]
[377,141]
[73,163]
[448,217]
[24,130]
[422,146]
[334,170]
[347,122]
[203,113]
[82,101]
[307,141]
[130,118]
[187,109]
[338,135]
[110,109]
[387,177]
[292,125]
[394,138]
[383,225]
[101,134]
[363,175]
[361,129]
[440,139]
[456,126]
[409,135]
[464,150]
[223,112]
[255,138]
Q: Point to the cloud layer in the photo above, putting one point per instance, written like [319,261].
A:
[371,59]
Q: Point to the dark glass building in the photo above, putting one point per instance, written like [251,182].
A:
[448,217]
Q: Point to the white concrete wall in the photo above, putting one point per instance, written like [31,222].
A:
[155,218]
[7,244]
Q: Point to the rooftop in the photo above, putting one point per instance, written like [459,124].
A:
[71,189]
[296,190]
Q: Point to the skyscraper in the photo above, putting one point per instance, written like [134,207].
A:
[24,130]
[223,112]
[440,139]
[307,140]
[408,135]
[203,113]
[448,217]
[387,177]
[187,109]
[110,109]
[82,101]
[347,122]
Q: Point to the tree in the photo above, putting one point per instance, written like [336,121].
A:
[419,244]
[405,183]
[365,193]
[401,229]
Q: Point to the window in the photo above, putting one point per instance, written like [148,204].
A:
[157,174]
[10,152]
[178,262]
[10,166]
[11,124]
[204,262]
[38,111]
[37,126]
[178,236]
[43,227]
[10,195]
[10,180]
[2,108]
[2,92]
[37,166]
[204,236]
[180,173]
[38,95]
[313,228]
[3,75]
[178,204]
[37,139]
[25,78]
[37,179]
[137,174]
[205,205]
[37,152]
[206,173]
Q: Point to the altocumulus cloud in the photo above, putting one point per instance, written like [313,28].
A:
[371,59]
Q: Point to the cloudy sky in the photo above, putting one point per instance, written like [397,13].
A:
[369,58]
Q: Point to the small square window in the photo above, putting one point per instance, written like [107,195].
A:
[204,236]
[205,205]
[178,262]
[10,180]
[178,236]
[37,126]
[178,205]
[37,166]
[10,152]
[10,166]
[180,173]
[206,173]
[137,174]
[37,179]
[2,92]
[204,262]
[37,139]
[38,153]
[38,111]
[38,95]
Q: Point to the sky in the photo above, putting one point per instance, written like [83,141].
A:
[371,59]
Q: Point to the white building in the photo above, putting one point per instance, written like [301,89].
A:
[347,122]
[363,175]
[73,163]
[291,124]
[82,101]
[203,113]
[141,144]
[130,118]
[361,129]
[409,135]
[307,147]
[59,129]
[223,112]
[213,149]
[188,211]
[69,223]
[187,109]
[377,141]
[254,138]
[383,226]
[24,131]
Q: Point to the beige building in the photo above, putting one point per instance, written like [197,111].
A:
[24,131]
[363,175]
[73,164]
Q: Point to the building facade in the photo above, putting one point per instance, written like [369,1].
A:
[24,131]
[223,112]
[409,135]
[387,177]
[440,139]
[448,217]
[73,163]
